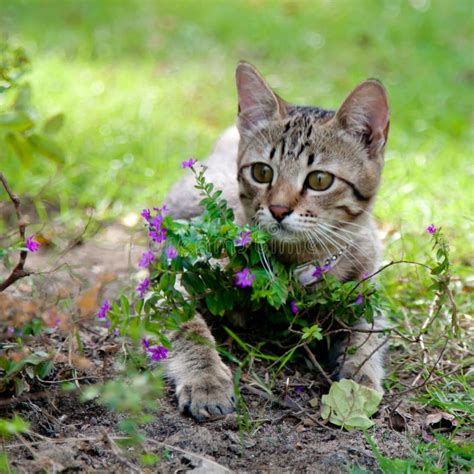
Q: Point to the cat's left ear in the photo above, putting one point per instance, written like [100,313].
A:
[365,115]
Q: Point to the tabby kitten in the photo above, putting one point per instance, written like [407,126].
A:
[309,177]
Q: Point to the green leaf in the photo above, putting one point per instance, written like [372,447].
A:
[313,332]
[20,147]
[53,124]
[4,464]
[125,304]
[216,304]
[13,426]
[45,368]
[20,386]
[19,121]
[148,459]
[350,405]
[193,283]
[90,393]
[23,98]
[46,147]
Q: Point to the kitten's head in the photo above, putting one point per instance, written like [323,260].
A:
[304,167]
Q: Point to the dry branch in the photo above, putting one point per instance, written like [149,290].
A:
[19,271]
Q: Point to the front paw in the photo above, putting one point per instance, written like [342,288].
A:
[205,396]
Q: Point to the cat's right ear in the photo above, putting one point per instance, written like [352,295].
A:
[257,101]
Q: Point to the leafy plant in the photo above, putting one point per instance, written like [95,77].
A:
[133,394]
[349,405]
[445,455]
[13,426]
[19,368]
[8,428]
[225,268]
[20,130]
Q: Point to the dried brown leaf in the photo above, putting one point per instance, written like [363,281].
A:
[441,421]
[87,301]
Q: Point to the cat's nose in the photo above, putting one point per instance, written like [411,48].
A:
[280,212]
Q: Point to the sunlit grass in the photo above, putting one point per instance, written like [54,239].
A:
[146,84]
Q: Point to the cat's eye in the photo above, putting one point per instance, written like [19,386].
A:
[320,180]
[262,173]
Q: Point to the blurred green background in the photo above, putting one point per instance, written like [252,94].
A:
[146,84]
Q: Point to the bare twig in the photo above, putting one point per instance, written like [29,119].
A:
[317,364]
[19,271]
[76,240]
[426,381]
[118,453]
[429,319]
[381,269]
[270,398]
[369,356]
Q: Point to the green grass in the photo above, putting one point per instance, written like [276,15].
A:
[145,84]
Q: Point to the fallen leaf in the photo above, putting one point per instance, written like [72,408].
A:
[308,422]
[441,420]
[313,402]
[350,405]
[87,301]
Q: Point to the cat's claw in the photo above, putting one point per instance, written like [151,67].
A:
[206,397]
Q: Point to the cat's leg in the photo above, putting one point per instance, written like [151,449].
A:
[203,382]
[360,356]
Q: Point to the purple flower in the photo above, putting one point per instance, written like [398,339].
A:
[244,278]
[158,353]
[143,286]
[365,275]
[188,164]
[156,221]
[31,244]
[359,299]
[116,332]
[293,307]
[146,259]
[431,229]
[161,210]
[171,253]
[158,236]
[107,323]
[146,214]
[243,239]
[104,309]
[318,271]
[299,389]
[156,232]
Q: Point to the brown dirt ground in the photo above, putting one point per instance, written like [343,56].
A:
[285,435]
